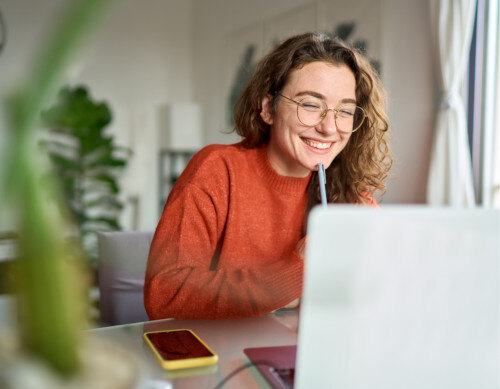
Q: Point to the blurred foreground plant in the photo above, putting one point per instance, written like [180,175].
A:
[50,297]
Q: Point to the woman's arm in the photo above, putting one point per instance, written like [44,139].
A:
[180,282]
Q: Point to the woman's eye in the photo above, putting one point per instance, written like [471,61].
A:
[346,113]
[311,105]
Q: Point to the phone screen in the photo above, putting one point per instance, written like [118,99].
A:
[173,345]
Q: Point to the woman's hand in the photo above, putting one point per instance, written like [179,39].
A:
[301,250]
[292,305]
[301,247]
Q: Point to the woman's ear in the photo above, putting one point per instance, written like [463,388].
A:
[266,112]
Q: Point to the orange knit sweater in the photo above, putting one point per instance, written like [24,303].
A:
[225,244]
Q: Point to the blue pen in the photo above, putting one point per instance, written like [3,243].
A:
[322,183]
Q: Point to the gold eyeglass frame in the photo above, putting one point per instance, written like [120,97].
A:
[325,112]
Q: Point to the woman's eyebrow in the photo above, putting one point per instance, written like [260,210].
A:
[345,101]
[322,97]
[311,93]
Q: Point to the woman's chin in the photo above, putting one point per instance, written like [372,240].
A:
[313,166]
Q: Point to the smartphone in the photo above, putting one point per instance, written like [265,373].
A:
[179,349]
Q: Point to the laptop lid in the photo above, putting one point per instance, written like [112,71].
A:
[400,297]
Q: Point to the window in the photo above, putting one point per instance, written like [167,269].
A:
[483,103]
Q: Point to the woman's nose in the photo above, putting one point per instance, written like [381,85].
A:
[328,124]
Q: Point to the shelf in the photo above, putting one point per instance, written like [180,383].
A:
[171,165]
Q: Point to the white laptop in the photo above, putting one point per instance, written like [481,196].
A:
[398,297]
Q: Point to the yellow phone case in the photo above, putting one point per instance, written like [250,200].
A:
[181,363]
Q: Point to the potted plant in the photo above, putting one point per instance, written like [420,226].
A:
[87,162]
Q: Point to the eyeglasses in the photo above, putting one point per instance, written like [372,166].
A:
[312,110]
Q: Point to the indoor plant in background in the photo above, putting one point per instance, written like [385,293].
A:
[52,351]
[87,162]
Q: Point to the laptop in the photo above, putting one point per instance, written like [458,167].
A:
[399,297]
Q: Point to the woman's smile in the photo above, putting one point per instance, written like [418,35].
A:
[316,145]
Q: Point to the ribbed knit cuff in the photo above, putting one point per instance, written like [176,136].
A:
[288,283]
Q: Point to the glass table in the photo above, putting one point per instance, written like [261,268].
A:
[226,337]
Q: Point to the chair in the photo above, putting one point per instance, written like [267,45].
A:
[122,265]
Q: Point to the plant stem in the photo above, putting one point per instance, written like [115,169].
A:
[49,303]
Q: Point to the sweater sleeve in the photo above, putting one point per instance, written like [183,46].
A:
[182,281]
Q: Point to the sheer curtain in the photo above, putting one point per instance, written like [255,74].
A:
[450,175]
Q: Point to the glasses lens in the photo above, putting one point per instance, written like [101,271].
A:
[310,110]
[349,117]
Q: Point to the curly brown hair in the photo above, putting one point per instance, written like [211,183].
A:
[361,169]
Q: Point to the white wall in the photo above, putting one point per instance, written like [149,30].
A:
[407,74]
[141,57]
[409,77]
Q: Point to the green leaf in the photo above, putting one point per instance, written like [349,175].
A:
[58,146]
[106,161]
[64,163]
[76,110]
[50,299]
[105,179]
[105,201]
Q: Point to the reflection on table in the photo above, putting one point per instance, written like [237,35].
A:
[226,337]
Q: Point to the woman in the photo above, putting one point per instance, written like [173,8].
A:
[230,242]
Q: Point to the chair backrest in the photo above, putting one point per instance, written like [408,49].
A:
[122,265]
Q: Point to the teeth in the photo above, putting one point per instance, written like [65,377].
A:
[317,145]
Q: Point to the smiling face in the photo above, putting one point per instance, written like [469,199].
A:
[295,149]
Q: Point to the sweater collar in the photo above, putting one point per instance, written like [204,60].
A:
[289,185]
